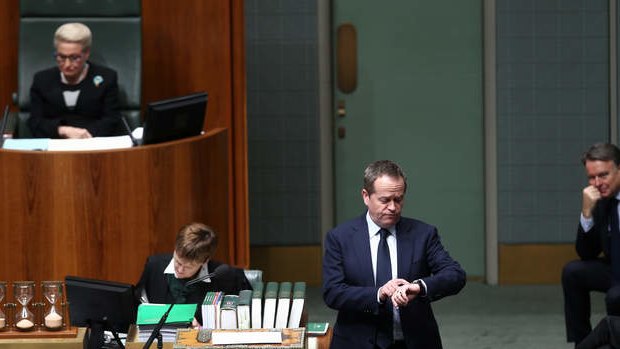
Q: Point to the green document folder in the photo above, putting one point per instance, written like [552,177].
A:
[151,313]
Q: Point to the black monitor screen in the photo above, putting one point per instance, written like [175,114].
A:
[93,300]
[175,118]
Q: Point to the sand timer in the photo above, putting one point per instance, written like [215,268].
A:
[23,291]
[2,294]
[52,291]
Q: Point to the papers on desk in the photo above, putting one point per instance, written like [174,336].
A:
[96,143]
[245,337]
[26,143]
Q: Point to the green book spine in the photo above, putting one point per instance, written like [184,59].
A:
[230,301]
[245,297]
[258,290]
[271,290]
[285,289]
[299,290]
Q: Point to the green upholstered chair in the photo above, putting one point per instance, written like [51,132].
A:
[117,43]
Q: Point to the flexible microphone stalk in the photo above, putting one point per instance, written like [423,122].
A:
[219,270]
[157,328]
[128,130]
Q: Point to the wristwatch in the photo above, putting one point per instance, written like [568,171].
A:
[422,287]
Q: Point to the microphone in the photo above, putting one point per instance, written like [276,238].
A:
[219,270]
[128,129]
[157,329]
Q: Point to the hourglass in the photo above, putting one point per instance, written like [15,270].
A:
[23,291]
[2,294]
[52,291]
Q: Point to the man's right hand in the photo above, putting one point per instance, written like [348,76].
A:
[590,196]
[73,132]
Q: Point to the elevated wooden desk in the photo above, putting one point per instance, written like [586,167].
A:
[99,214]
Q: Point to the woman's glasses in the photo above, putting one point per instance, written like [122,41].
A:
[60,58]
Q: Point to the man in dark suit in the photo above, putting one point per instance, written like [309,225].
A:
[373,257]
[77,98]
[165,277]
[598,231]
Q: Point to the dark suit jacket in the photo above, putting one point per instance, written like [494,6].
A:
[96,110]
[590,245]
[154,282]
[349,285]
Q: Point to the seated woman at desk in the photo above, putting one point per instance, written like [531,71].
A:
[77,98]
[166,277]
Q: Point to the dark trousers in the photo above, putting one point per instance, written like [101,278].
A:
[578,279]
[606,335]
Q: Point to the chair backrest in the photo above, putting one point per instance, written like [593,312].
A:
[117,44]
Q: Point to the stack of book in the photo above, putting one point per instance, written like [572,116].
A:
[149,314]
[281,305]
[211,309]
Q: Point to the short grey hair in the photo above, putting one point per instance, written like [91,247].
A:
[77,33]
[382,168]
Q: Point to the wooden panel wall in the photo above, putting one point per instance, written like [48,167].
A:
[533,263]
[197,45]
[188,46]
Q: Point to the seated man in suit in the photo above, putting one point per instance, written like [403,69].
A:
[77,98]
[597,243]
[165,276]
[372,256]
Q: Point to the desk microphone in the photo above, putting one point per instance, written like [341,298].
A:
[219,270]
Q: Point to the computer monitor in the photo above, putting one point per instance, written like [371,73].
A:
[174,118]
[100,305]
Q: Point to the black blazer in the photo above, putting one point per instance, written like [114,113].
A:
[590,245]
[154,282]
[97,108]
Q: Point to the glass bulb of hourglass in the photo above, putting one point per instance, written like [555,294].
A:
[23,292]
[52,291]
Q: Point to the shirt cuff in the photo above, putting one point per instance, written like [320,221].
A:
[586,223]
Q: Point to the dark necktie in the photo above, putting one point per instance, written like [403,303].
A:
[384,274]
[615,241]
[384,266]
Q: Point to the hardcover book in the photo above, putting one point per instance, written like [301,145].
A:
[257,305]
[297,308]
[244,309]
[228,312]
[271,297]
[284,304]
